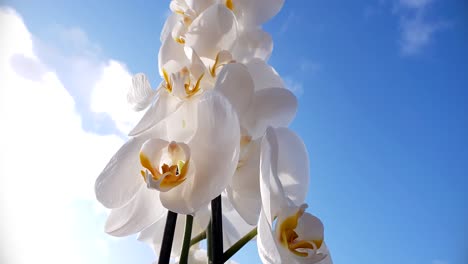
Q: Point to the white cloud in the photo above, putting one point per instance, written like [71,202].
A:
[418,4]
[416,30]
[109,95]
[293,85]
[416,33]
[47,160]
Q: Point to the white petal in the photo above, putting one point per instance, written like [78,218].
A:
[270,107]
[197,67]
[254,13]
[138,214]
[235,83]
[171,50]
[293,165]
[213,30]
[309,227]
[152,149]
[179,30]
[324,250]
[165,105]
[121,179]
[215,152]
[168,26]
[182,124]
[141,94]
[264,75]
[244,190]
[266,242]
[199,5]
[234,227]
[253,44]
[271,190]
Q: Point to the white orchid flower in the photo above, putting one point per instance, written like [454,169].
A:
[252,14]
[205,26]
[192,21]
[286,233]
[185,175]
[185,78]
[272,105]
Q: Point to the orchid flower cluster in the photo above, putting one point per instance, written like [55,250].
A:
[213,146]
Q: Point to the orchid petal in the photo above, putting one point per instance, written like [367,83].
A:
[271,189]
[199,5]
[309,228]
[215,152]
[182,124]
[141,212]
[120,179]
[270,107]
[324,250]
[171,51]
[293,165]
[253,44]
[197,67]
[235,83]
[234,227]
[266,241]
[168,26]
[254,13]
[244,190]
[165,105]
[212,31]
[264,75]
[141,94]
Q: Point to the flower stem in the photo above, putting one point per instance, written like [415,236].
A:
[187,235]
[198,238]
[239,244]
[168,237]
[217,230]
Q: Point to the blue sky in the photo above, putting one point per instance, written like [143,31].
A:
[383,92]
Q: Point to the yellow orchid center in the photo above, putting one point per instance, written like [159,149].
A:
[169,174]
[230,5]
[245,141]
[289,238]
[222,58]
[168,84]
[180,40]
[183,78]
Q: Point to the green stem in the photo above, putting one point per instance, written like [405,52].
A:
[198,238]
[209,243]
[239,244]
[187,235]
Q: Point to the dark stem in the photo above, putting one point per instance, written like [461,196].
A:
[168,237]
[187,235]
[209,243]
[198,238]
[217,230]
[239,244]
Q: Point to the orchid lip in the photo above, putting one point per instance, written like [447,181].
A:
[181,83]
[290,239]
[167,168]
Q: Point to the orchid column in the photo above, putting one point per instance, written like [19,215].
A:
[213,147]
